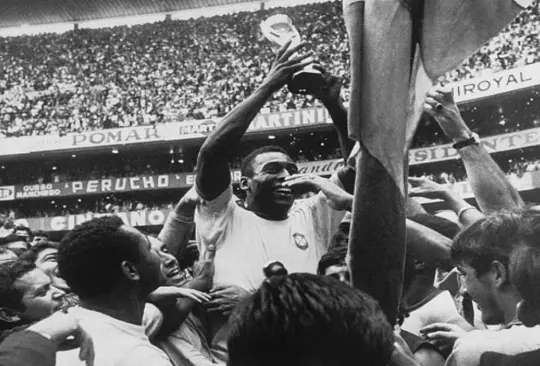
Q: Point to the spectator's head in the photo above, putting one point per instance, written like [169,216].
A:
[45,256]
[263,172]
[481,253]
[23,232]
[7,255]
[172,274]
[525,272]
[303,319]
[26,294]
[16,243]
[340,239]
[105,259]
[333,264]
[39,236]
[190,255]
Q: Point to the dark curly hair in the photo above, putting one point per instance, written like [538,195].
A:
[301,318]
[90,256]
[10,272]
[247,163]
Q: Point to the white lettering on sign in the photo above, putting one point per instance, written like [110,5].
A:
[492,144]
[117,136]
[121,184]
[134,218]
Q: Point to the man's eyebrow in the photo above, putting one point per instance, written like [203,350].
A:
[41,288]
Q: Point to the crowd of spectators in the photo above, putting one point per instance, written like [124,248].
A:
[178,70]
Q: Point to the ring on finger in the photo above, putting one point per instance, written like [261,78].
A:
[439,106]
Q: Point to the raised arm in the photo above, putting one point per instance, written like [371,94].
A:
[178,228]
[491,187]
[428,245]
[213,176]
[330,96]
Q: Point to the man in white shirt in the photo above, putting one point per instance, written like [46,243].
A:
[112,268]
[266,229]
[482,252]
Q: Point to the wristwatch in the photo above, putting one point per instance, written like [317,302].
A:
[473,140]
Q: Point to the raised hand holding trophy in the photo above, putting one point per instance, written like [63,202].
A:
[279,30]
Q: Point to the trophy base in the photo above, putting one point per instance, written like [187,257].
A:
[307,81]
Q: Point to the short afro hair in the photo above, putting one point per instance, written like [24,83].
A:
[301,318]
[332,258]
[246,168]
[90,256]
[10,272]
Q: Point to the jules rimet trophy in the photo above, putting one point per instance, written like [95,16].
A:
[279,29]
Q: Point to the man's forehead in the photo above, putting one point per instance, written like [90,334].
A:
[47,251]
[33,279]
[272,157]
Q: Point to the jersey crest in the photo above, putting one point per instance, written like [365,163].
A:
[300,241]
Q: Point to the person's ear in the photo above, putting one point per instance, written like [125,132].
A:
[500,273]
[244,183]
[9,316]
[130,271]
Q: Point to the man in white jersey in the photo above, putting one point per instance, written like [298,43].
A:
[112,268]
[266,229]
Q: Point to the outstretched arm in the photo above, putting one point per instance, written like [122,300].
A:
[213,176]
[423,187]
[330,96]
[491,187]
[428,245]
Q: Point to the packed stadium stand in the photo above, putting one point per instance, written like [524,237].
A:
[64,98]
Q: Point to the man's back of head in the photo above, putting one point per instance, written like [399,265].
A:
[303,319]
[103,258]
[525,272]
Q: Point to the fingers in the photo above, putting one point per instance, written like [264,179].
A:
[201,296]
[416,180]
[429,109]
[289,52]
[196,295]
[219,293]
[319,67]
[304,181]
[298,63]
[86,352]
[440,92]
[282,50]
[441,335]
[218,288]
[437,327]
[219,309]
